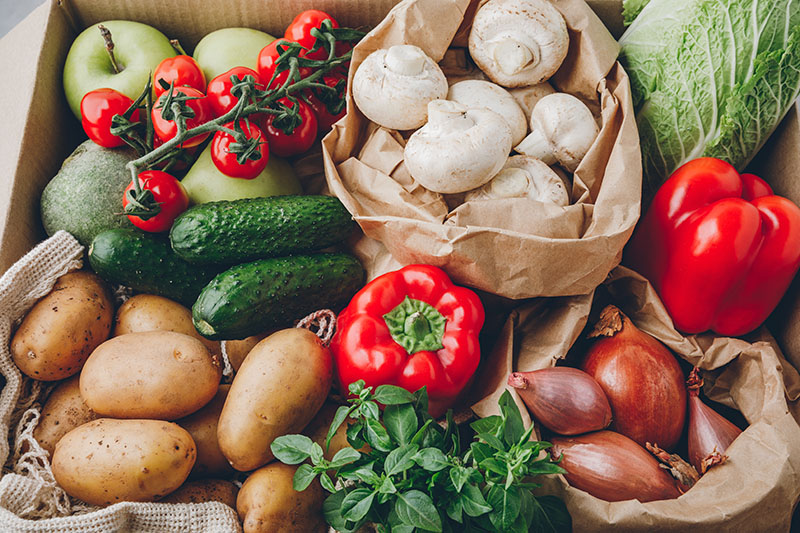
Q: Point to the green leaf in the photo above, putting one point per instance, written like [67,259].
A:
[458,476]
[327,484]
[421,400]
[370,410]
[356,387]
[387,487]
[357,503]
[400,460]
[367,475]
[402,528]
[431,459]
[550,515]
[490,424]
[505,506]
[455,510]
[316,453]
[495,466]
[338,419]
[493,441]
[392,395]
[401,422]
[473,501]
[291,449]
[354,437]
[376,436]
[303,477]
[332,511]
[514,428]
[415,508]
[543,466]
[481,451]
[345,456]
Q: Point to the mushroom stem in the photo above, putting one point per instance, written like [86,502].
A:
[445,115]
[536,145]
[511,55]
[406,60]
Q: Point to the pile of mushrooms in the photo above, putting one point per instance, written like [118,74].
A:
[465,132]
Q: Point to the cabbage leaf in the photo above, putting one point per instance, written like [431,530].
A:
[710,78]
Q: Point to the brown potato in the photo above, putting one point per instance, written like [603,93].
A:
[237,350]
[62,329]
[148,312]
[205,490]
[267,503]
[317,430]
[108,461]
[154,374]
[202,426]
[64,411]
[279,388]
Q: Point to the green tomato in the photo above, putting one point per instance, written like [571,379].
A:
[204,183]
[221,50]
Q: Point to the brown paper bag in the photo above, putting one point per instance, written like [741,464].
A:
[756,490]
[515,248]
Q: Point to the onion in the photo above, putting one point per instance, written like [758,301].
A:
[565,400]
[710,433]
[613,468]
[641,378]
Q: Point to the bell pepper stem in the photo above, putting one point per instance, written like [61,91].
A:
[416,326]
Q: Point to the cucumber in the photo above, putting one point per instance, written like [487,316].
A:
[231,232]
[253,297]
[146,263]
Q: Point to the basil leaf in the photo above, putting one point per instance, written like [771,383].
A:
[458,476]
[345,456]
[550,515]
[400,460]
[421,400]
[431,459]
[317,455]
[492,441]
[514,428]
[354,437]
[303,477]
[370,410]
[291,449]
[332,511]
[490,424]
[401,422]
[415,508]
[326,482]
[481,451]
[473,501]
[455,510]
[403,528]
[505,504]
[357,503]
[367,475]
[387,487]
[338,419]
[495,466]
[376,436]
[392,395]
[356,387]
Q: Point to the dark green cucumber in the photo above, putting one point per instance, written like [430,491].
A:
[231,232]
[146,263]
[253,297]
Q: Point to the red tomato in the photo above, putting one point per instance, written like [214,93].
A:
[280,79]
[267,58]
[168,192]
[166,129]
[300,29]
[226,162]
[301,138]
[98,107]
[219,89]
[319,101]
[183,70]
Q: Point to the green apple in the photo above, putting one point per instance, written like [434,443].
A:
[138,49]
[221,50]
[204,183]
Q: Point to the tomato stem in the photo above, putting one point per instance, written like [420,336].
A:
[109,47]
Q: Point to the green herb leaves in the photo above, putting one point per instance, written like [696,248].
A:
[417,478]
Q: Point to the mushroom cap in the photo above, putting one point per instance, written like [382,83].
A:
[528,97]
[488,95]
[458,149]
[568,126]
[518,42]
[392,86]
[523,177]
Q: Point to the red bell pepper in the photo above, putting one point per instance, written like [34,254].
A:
[720,248]
[411,328]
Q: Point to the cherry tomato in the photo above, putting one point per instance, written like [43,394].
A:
[219,89]
[170,194]
[267,58]
[166,129]
[300,29]
[319,102]
[300,140]
[226,162]
[98,107]
[183,70]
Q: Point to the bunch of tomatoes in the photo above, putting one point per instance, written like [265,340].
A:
[180,79]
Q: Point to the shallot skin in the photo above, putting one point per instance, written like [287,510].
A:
[641,378]
[613,468]
[709,431]
[565,400]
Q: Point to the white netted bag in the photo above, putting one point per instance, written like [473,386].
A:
[30,499]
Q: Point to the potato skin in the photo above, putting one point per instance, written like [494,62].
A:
[279,388]
[317,430]
[202,426]
[148,312]
[267,503]
[64,411]
[62,329]
[205,490]
[108,461]
[153,374]
[237,350]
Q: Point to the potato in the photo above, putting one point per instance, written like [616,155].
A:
[62,329]
[267,503]
[317,430]
[202,426]
[279,388]
[108,461]
[153,374]
[148,312]
[64,411]
[237,350]
[205,490]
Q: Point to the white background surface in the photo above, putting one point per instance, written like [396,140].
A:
[13,11]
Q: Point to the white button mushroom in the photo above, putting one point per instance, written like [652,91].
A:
[562,131]
[458,149]
[393,86]
[488,95]
[518,42]
[523,177]
[528,97]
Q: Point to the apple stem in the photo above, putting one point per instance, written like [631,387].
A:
[176,44]
[109,47]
